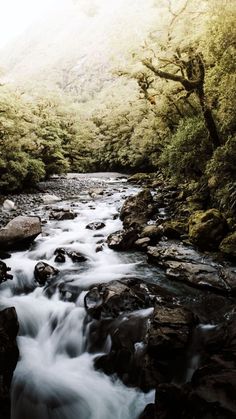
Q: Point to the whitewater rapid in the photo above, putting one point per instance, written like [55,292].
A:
[55,377]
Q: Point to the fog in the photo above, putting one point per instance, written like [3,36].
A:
[82,38]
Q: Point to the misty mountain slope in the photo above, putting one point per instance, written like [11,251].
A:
[67,48]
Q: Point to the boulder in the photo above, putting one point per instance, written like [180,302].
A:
[4,275]
[20,232]
[96,192]
[174,229]
[207,229]
[43,273]
[62,215]
[116,297]
[228,245]
[122,239]
[4,255]
[184,264]
[153,232]
[149,412]
[98,225]
[121,313]
[210,393]
[169,332]
[9,357]
[61,254]
[137,210]
[142,243]
[8,205]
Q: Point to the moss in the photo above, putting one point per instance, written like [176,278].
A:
[174,229]
[207,228]
[228,245]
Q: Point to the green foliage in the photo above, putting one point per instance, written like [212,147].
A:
[187,154]
[219,48]
[221,172]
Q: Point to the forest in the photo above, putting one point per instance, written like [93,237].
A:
[170,108]
[117,209]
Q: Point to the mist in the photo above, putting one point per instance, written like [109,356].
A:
[78,39]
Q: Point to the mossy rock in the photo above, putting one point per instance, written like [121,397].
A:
[207,229]
[139,178]
[174,229]
[228,245]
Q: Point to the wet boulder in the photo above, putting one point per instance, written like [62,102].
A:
[207,229]
[75,256]
[228,245]
[122,239]
[43,273]
[69,291]
[210,393]
[120,315]
[137,210]
[4,255]
[20,232]
[4,275]
[183,264]
[116,297]
[9,356]
[98,225]
[169,332]
[96,192]
[149,412]
[62,215]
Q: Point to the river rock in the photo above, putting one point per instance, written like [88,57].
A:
[98,225]
[20,232]
[50,199]
[75,256]
[125,327]
[153,232]
[43,272]
[122,239]
[169,332]
[149,412]
[9,357]
[8,205]
[62,215]
[228,245]
[96,192]
[4,275]
[174,229]
[116,297]
[211,391]
[137,210]
[142,243]
[207,229]
[184,264]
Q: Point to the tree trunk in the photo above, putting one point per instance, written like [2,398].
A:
[208,118]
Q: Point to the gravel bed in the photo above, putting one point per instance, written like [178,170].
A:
[63,187]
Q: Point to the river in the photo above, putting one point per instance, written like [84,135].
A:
[55,377]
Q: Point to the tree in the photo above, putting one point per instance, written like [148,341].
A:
[185,66]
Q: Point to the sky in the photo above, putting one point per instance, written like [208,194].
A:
[17,15]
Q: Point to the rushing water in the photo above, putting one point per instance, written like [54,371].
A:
[55,377]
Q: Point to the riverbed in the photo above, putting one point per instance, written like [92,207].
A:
[55,377]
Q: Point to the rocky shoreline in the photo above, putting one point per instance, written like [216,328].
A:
[182,347]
